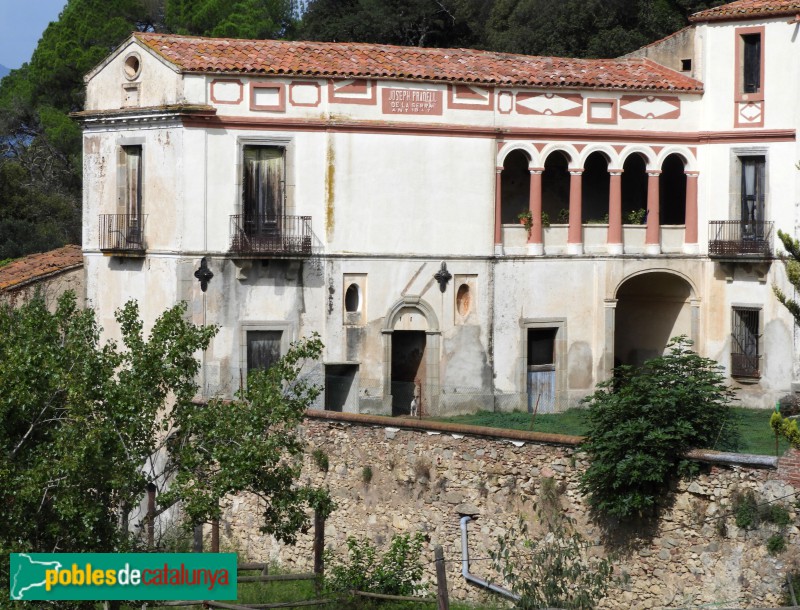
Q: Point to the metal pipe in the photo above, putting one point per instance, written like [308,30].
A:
[465,566]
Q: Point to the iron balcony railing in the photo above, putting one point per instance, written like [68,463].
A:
[254,235]
[738,238]
[122,232]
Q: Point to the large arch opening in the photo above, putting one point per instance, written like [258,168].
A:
[672,191]
[595,189]
[515,186]
[555,188]
[651,309]
[634,189]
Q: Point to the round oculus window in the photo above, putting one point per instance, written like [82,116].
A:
[132,66]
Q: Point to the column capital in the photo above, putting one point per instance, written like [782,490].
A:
[498,170]
[615,172]
[653,172]
[577,171]
[536,170]
[691,174]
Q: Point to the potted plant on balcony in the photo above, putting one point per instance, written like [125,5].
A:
[526,220]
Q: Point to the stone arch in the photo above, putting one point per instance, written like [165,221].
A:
[417,376]
[651,307]
[568,150]
[509,147]
[689,160]
[610,154]
[644,151]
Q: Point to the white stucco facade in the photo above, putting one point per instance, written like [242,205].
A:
[385,179]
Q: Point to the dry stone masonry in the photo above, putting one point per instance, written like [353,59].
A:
[425,480]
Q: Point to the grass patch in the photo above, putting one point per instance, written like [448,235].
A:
[756,435]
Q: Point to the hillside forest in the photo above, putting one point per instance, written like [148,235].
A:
[40,145]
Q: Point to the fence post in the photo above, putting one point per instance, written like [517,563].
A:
[442,599]
[197,540]
[151,515]
[319,547]
[215,535]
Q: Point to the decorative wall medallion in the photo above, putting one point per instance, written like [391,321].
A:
[227,91]
[203,274]
[305,93]
[268,96]
[442,276]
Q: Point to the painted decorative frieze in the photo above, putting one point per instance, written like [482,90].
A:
[749,114]
[227,91]
[649,107]
[505,102]
[305,93]
[352,91]
[553,104]
[470,97]
[268,97]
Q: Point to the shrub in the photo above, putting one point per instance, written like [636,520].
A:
[551,571]
[320,459]
[776,544]
[745,510]
[644,420]
[397,572]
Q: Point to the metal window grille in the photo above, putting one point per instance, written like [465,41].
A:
[745,356]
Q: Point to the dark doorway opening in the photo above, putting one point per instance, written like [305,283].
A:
[542,369]
[408,370]
[340,387]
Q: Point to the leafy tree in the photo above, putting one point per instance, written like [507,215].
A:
[792,264]
[81,424]
[642,423]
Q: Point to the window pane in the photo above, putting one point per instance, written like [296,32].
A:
[752,63]
[263,348]
[263,184]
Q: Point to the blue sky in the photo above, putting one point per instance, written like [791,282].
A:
[21,25]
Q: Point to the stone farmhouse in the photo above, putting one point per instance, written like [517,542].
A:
[373,194]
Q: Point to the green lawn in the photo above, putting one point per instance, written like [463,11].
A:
[756,435]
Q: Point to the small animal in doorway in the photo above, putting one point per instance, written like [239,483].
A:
[413,410]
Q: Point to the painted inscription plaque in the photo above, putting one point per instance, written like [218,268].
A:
[412,101]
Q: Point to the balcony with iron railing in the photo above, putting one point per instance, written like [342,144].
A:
[270,236]
[122,234]
[739,239]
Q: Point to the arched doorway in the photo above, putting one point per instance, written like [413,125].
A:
[411,358]
[651,308]
[555,188]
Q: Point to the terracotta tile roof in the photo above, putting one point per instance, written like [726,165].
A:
[37,266]
[748,9]
[349,60]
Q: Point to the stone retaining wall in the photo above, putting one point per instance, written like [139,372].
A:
[423,481]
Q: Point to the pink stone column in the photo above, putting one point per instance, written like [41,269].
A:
[614,244]
[536,239]
[690,245]
[574,234]
[652,240]
[498,199]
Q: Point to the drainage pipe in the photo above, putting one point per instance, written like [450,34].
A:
[465,566]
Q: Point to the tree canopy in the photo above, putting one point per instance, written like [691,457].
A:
[85,426]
